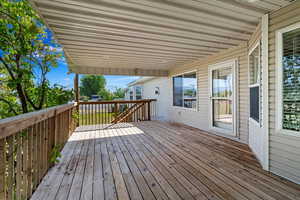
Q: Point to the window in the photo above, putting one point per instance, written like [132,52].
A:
[254,76]
[289,78]
[138,92]
[185,90]
[131,94]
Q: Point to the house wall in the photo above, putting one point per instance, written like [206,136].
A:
[284,149]
[200,118]
[162,99]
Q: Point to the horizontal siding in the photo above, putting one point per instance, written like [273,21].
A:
[202,67]
[284,149]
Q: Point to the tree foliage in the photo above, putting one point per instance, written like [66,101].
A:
[119,93]
[27,54]
[91,85]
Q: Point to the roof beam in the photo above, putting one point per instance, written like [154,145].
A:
[128,21]
[103,51]
[133,55]
[154,46]
[95,22]
[158,10]
[114,32]
[132,48]
[133,40]
[119,71]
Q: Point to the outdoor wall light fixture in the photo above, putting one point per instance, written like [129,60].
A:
[156,91]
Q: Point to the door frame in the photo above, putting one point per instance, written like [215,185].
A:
[211,68]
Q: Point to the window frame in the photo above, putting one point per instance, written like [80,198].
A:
[131,94]
[182,107]
[279,80]
[258,84]
[135,93]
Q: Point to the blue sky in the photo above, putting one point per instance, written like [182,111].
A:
[60,74]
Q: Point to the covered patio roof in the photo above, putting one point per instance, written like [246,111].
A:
[148,37]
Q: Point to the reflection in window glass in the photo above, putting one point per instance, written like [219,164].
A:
[190,90]
[222,89]
[185,90]
[291,80]
[177,91]
[222,82]
[254,66]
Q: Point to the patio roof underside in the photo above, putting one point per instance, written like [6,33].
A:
[148,37]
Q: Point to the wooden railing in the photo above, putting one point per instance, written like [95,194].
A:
[111,112]
[29,146]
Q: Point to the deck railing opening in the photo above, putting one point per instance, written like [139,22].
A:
[112,112]
[29,145]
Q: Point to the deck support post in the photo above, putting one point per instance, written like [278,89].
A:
[76,88]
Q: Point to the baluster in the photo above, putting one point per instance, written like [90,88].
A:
[43,149]
[11,167]
[35,156]
[18,161]
[106,113]
[85,114]
[109,113]
[25,164]
[3,169]
[29,162]
[91,113]
[97,115]
[40,152]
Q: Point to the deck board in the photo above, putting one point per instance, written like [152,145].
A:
[158,160]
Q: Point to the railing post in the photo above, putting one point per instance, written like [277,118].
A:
[55,129]
[2,169]
[76,90]
[116,110]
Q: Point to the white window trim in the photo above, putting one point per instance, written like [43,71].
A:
[279,70]
[256,84]
[219,65]
[197,95]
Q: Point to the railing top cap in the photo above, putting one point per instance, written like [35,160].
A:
[116,101]
[26,120]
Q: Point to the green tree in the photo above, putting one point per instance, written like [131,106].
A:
[27,54]
[119,93]
[58,95]
[91,85]
[106,94]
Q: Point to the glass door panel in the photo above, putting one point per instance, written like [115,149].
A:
[222,95]
[222,113]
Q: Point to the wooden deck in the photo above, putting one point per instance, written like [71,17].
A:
[158,160]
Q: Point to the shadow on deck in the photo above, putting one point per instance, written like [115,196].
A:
[158,160]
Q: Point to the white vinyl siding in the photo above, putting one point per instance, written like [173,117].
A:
[200,119]
[284,149]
